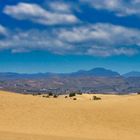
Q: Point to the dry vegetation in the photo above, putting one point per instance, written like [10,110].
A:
[27,117]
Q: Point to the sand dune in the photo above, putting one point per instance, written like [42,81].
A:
[27,117]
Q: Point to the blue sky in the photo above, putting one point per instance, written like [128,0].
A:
[69,35]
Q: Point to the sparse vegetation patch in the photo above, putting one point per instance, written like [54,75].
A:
[45,96]
[50,94]
[72,94]
[55,96]
[79,93]
[96,98]
[66,96]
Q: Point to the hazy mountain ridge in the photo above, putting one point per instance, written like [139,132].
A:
[95,80]
[132,74]
[97,72]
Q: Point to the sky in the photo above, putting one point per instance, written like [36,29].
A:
[64,36]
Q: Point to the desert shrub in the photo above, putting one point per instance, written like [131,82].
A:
[138,93]
[55,96]
[96,98]
[50,94]
[79,93]
[66,96]
[36,94]
[72,94]
[46,96]
[74,98]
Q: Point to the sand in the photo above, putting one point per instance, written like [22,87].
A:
[27,117]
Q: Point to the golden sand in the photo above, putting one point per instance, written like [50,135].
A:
[27,117]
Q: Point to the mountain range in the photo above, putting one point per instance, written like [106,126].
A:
[94,80]
[97,72]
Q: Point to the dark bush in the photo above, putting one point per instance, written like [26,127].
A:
[46,96]
[50,94]
[72,94]
[38,93]
[66,96]
[74,98]
[138,93]
[96,98]
[55,96]
[79,93]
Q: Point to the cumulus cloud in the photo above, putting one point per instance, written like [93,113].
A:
[95,40]
[119,7]
[37,14]
[26,41]
[103,39]
[85,39]
[3,30]
[62,7]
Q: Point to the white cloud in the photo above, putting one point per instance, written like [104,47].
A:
[119,7]
[102,39]
[97,40]
[37,14]
[3,30]
[58,6]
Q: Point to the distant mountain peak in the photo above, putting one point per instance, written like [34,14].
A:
[99,71]
[132,74]
[99,68]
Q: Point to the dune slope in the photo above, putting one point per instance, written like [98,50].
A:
[28,117]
